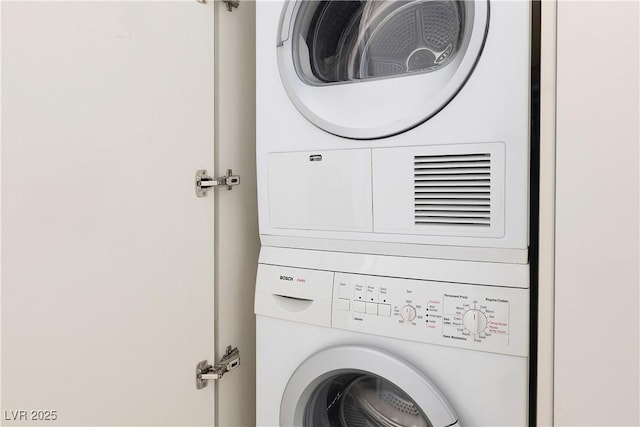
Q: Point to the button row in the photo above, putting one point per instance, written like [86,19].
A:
[364,307]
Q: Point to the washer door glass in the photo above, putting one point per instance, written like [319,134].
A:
[362,400]
[354,386]
[370,69]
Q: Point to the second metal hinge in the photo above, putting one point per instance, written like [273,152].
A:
[204,181]
[206,372]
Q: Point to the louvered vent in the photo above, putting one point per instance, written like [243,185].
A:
[453,190]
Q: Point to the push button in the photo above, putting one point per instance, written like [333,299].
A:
[372,308]
[384,309]
[359,306]
[344,284]
[342,304]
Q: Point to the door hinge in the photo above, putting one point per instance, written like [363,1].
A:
[206,372]
[231,4]
[204,181]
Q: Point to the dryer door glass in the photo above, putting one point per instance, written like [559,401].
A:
[362,400]
[371,69]
[343,41]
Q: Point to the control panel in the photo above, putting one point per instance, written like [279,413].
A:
[489,318]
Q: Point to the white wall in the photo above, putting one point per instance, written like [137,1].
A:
[597,186]
[546,243]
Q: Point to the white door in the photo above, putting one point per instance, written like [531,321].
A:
[107,254]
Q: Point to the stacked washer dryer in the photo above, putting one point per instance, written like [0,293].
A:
[393,189]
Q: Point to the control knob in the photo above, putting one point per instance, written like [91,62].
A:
[408,313]
[475,321]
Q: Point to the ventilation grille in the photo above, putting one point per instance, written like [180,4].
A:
[453,190]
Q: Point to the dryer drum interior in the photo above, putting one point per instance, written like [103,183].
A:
[343,41]
[362,400]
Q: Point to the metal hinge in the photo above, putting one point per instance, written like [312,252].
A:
[231,4]
[204,181]
[206,372]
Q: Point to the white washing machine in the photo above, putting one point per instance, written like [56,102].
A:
[368,340]
[395,127]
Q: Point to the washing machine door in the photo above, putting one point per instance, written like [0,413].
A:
[354,386]
[371,69]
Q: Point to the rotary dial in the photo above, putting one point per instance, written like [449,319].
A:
[408,313]
[475,321]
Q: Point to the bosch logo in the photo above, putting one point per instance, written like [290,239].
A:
[298,280]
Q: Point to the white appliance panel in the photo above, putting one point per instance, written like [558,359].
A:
[321,190]
[486,318]
[469,316]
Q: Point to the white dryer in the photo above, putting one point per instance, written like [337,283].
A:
[395,127]
[350,340]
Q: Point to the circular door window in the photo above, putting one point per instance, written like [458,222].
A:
[361,387]
[370,69]
[362,400]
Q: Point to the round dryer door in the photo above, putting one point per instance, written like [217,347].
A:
[361,387]
[371,69]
